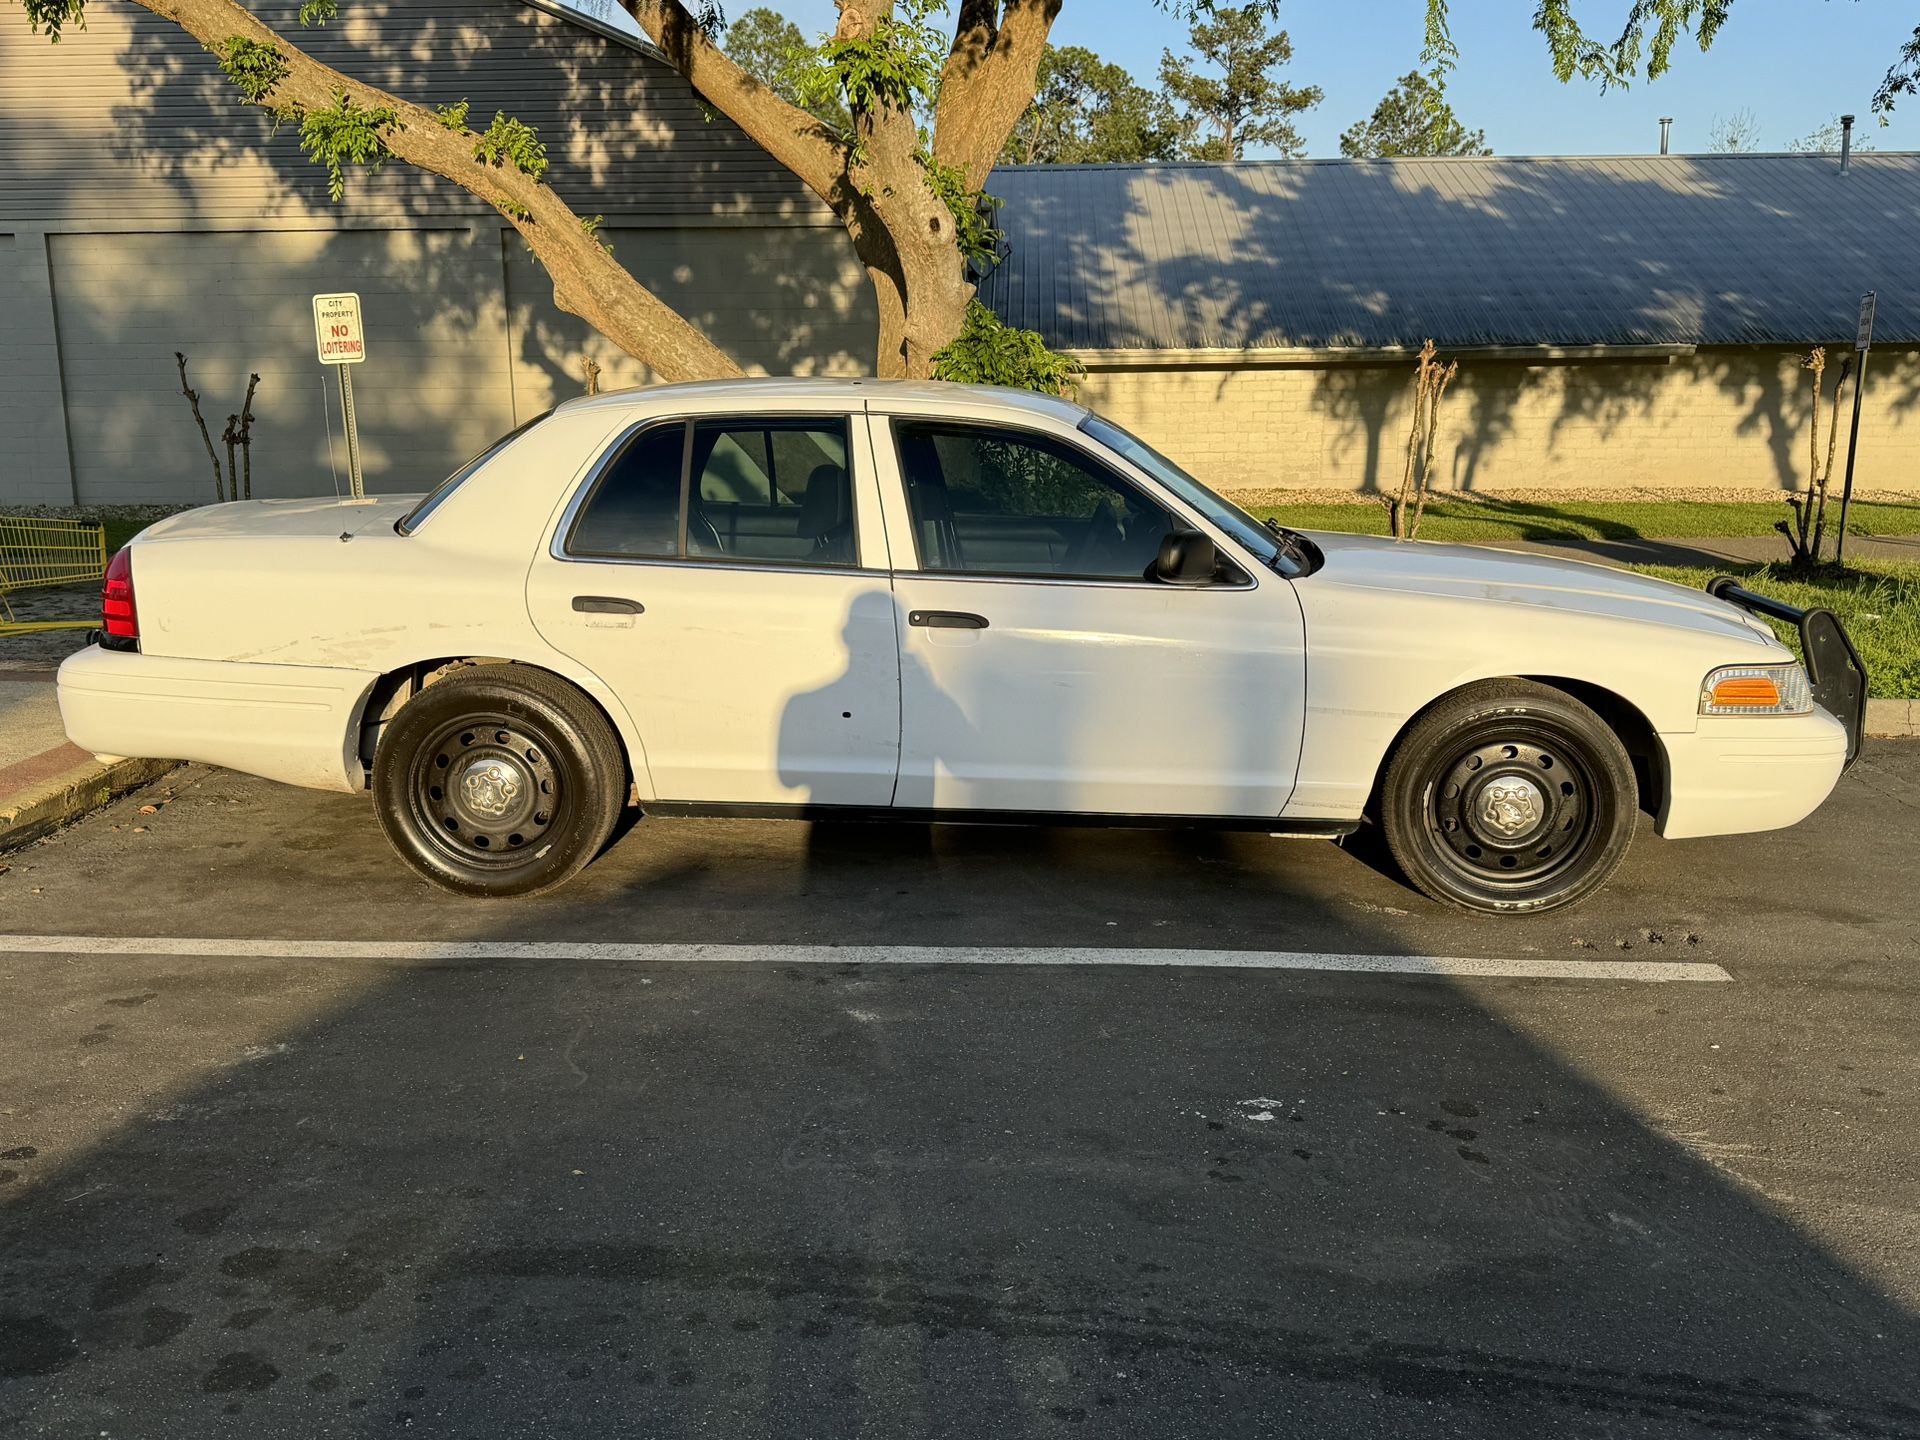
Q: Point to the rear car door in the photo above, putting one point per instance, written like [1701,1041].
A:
[726,576]
[1044,670]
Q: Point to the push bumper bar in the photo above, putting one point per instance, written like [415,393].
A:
[1838,677]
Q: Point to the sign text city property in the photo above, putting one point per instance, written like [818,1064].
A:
[337,330]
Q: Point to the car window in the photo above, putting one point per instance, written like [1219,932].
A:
[769,490]
[772,490]
[635,505]
[991,500]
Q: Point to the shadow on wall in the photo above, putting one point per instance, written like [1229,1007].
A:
[464,339]
[1485,255]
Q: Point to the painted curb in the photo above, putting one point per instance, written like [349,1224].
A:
[71,794]
[1889,719]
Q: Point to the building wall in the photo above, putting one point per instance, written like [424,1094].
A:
[144,209]
[1720,418]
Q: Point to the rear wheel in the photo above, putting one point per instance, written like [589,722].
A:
[1509,797]
[498,780]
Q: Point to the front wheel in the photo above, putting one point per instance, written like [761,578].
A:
[498,780]
[1509,798]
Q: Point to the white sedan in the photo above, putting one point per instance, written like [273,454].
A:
[860,598]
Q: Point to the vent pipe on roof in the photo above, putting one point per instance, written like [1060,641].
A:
[1666,125]
[1846,144]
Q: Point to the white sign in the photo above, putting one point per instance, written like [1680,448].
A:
[1863,336]
[337,330]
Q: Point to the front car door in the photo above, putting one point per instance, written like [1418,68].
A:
[726,576]
[1042,669]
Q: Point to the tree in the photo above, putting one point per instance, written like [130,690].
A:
[1413,119]
[1088,111]
[1245,104]
[1825,139]
[908,193]
[770,47]
[1735,134]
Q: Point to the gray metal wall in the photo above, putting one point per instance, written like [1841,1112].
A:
[144,210]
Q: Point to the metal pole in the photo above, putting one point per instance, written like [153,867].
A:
[1853,443]
[353,431]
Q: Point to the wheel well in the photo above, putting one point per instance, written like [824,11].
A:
[393,689]
[1633,729]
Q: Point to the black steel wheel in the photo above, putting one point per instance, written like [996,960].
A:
[498,780]
[1509,797]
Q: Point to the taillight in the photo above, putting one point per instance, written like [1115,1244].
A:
[117,614]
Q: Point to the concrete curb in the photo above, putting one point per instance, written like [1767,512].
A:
[1888,719]
[72,793]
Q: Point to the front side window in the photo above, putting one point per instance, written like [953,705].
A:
[768,490]
[991,500]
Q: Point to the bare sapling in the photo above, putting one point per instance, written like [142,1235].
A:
[193,399]
[1407,506]
[1807,529]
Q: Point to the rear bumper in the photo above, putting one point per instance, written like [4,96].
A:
[1736,774]
[294,723]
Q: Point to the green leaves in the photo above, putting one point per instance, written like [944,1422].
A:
[895,66]
[54,16]
[254,66]
[345,134]
[988,351]
[453,117]
[1413,119]
[512,142]
[977,237]
[318,12]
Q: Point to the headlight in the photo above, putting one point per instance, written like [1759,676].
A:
[1756,690]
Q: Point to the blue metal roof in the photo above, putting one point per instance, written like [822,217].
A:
[1471,252]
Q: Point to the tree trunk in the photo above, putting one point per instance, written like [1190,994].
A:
[586,280]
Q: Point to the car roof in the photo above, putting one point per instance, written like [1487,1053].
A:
[855,392]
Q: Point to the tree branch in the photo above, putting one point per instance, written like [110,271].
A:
[586,281]
[988,80]
[789,134]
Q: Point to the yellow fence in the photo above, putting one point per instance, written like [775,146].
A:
[37,554]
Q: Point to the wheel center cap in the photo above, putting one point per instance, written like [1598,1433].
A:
[491,787]
[1511,805]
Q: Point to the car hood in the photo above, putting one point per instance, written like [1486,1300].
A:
[1510,577]
[282,519]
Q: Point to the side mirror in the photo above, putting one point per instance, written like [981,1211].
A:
[1186,558]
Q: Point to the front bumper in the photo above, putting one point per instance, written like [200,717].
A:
[1736,773]
[1834,667]
[294,723]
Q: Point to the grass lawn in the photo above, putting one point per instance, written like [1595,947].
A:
[1590,520]
[1878,602]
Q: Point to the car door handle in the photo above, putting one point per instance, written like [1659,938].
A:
[607,605]
[946,620]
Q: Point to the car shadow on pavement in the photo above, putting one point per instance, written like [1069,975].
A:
[612,1198]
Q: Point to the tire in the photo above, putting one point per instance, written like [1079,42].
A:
[1509,798]
[498,780]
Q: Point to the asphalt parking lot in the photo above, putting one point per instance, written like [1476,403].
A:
[410,1176]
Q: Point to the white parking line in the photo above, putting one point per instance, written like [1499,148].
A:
[1531,969]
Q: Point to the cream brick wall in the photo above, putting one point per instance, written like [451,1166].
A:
[1721,418]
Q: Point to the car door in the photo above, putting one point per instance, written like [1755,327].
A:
[1042,669]
[726,576]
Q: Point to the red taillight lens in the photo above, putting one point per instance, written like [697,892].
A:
[116,607]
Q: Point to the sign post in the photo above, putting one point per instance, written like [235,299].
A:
[342,342]
[1862,342]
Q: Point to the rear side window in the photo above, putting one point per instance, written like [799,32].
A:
[768,490]
[635,506]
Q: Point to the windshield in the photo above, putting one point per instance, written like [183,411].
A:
[411,521]
[1255,536]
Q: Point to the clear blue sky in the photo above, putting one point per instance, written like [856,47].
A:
[1793,63]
